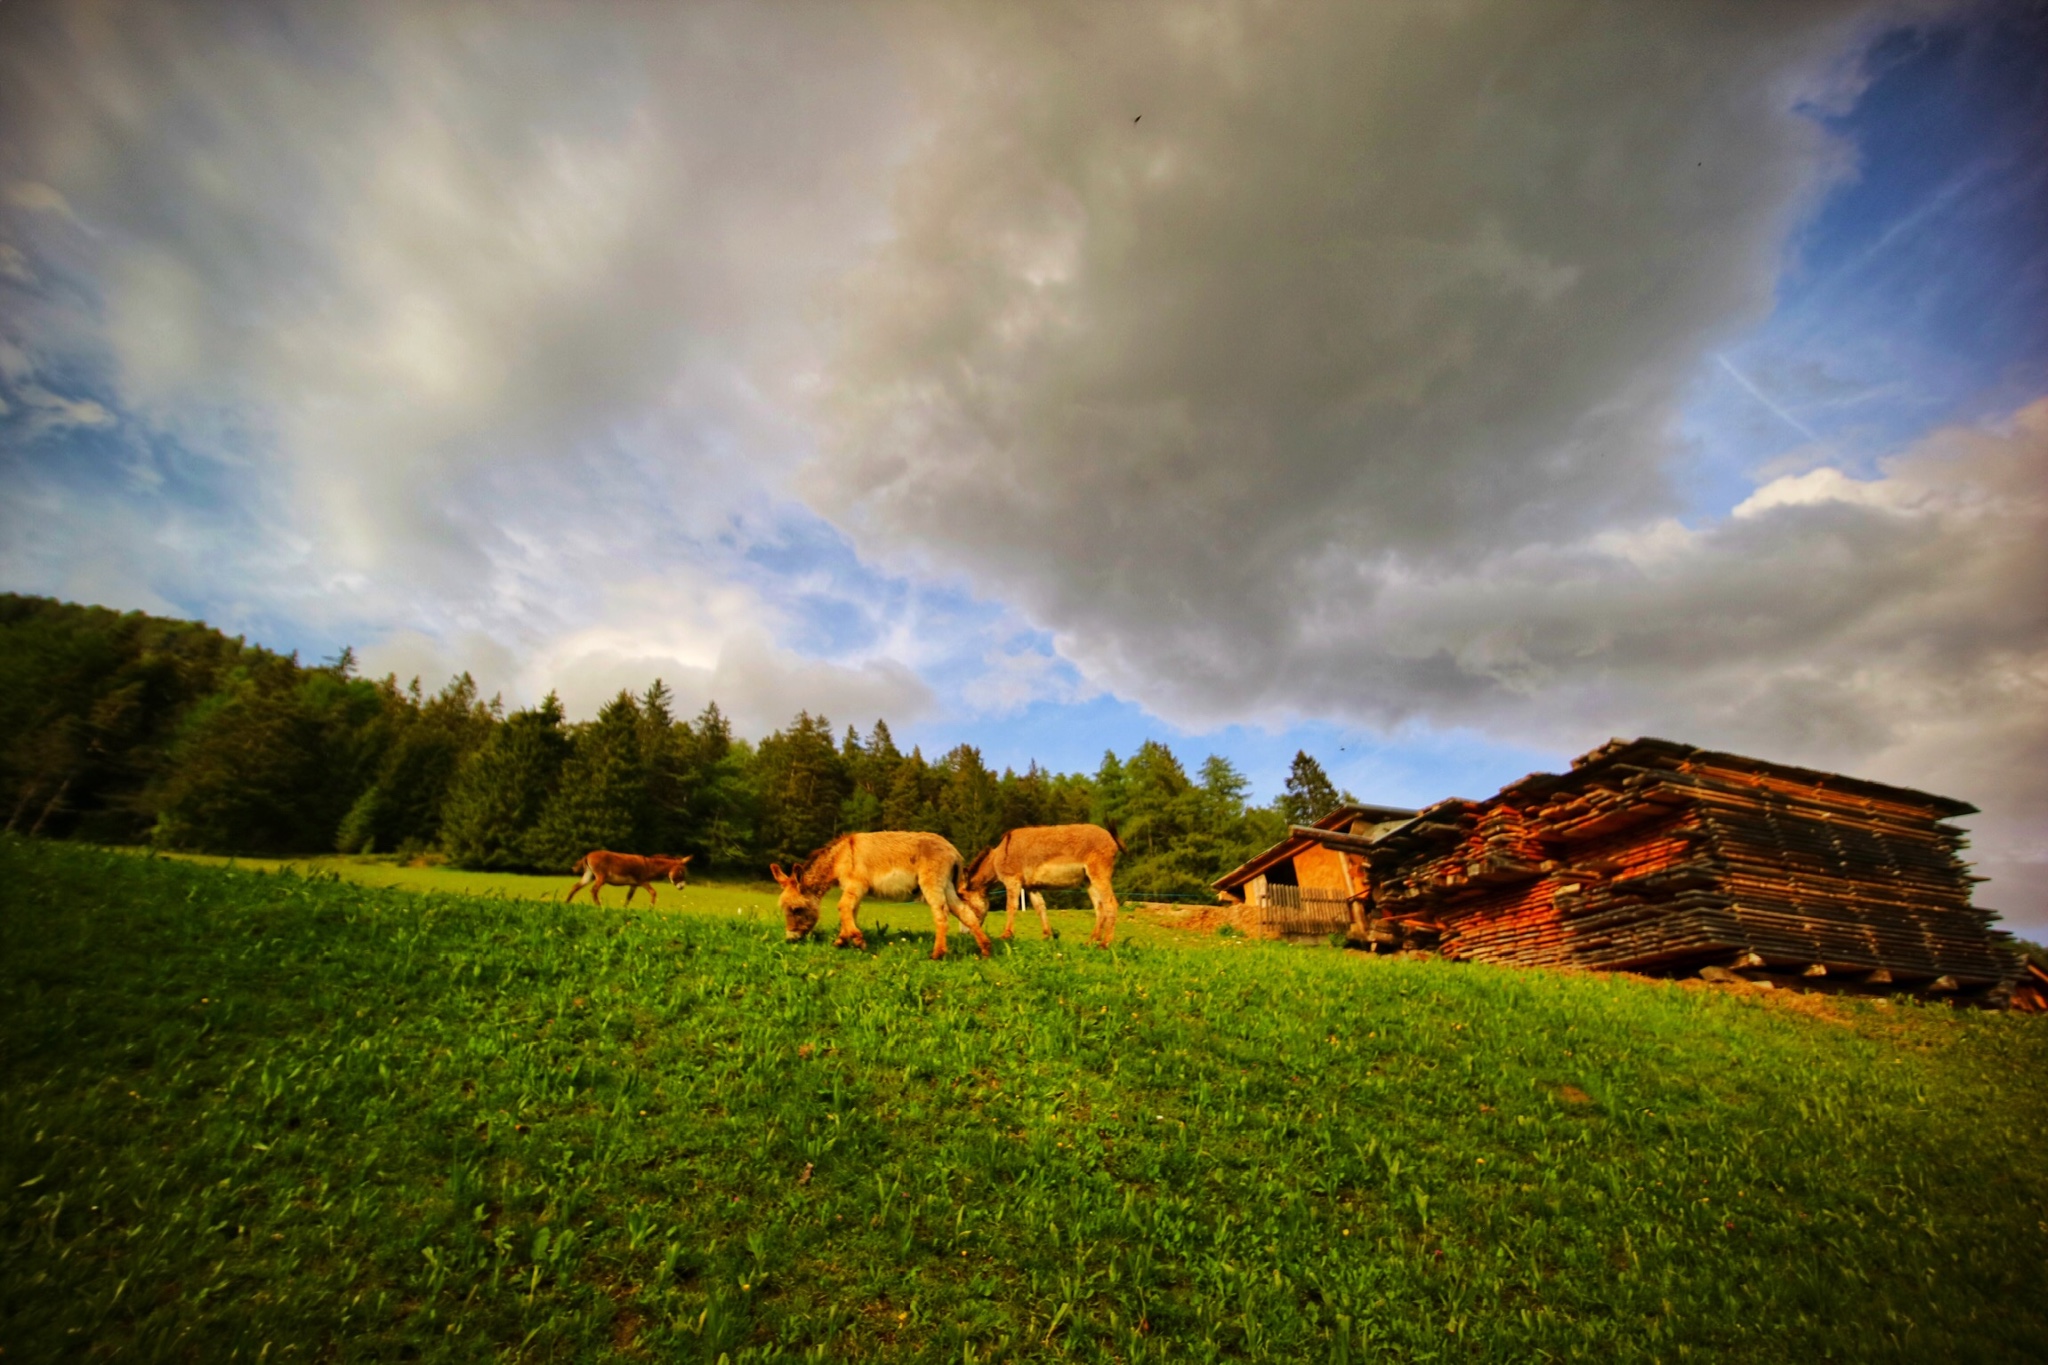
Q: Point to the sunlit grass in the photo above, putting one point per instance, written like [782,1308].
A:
[243,1112]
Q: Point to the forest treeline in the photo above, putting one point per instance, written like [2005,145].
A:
[124,728]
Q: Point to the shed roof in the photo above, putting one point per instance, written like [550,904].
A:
[1381,818]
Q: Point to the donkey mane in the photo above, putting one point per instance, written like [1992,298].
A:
[816,872]
[972,868]
[982,859]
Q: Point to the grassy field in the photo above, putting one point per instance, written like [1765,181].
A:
[271,1117]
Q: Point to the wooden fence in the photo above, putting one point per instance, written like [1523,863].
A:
[1298,912]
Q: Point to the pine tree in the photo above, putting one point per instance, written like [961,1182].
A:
[913,792]
[402,808]
[1310,794]
[663,754]
[721,805]
[1024,800]
[1107,796]
[802,781]
[861,811]
[501,790]
[1158,810]
[601,800]
[969,808]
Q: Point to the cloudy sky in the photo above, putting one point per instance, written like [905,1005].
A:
[1442,387]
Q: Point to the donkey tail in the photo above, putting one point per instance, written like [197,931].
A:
[1109,826]
[581,863]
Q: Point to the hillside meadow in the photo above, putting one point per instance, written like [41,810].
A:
[265,1115]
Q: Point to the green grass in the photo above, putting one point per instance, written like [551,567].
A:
[699,894]
[248,1115]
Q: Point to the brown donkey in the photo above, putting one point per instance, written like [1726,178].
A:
[1042,856]
[894,866]
[601,869]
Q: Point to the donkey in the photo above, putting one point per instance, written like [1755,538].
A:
[894,866]
[601,869]
[1048,856]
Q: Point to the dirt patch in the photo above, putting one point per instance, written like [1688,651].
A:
[1198,919]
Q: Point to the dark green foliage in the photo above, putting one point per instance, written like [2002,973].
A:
[802,780]
[1310,794]
[90,700]
[870,768]
[402,807]
[503,788]
[601,801]
[271,762]
[717,822]
[1181,834]
[912,802]
[242,1112]
[120,727]
[969,806]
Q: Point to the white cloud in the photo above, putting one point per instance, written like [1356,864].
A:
[707,640]
[1015,675]
[415,270]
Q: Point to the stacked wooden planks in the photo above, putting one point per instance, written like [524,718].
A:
[1654,856]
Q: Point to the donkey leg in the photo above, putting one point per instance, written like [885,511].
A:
[574,889]
[1045,929]
[849,918]
[631,887]
[1013,891]
[1104,896]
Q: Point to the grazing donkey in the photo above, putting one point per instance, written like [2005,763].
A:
[894,866]
[1047,856]
[601,869]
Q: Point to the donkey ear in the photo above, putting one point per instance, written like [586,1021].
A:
[775,870]
[684,859]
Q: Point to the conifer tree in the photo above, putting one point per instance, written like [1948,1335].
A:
[1106,802]
[600,801]
[912,800]
[402,808]
[501,790]
[802,781]
[1310,794]
[969,809]
[721,807]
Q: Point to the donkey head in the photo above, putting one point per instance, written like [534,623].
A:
[975,876]
[676,869]
[799,907]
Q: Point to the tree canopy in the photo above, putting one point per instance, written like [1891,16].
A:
[122,727]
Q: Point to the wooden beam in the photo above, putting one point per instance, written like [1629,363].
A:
[1330,838]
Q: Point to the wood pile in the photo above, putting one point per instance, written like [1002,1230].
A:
[2030,995]
[1654,856]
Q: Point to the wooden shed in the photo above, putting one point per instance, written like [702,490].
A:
[1313,883]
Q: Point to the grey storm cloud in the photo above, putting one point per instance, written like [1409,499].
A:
[1199,321]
